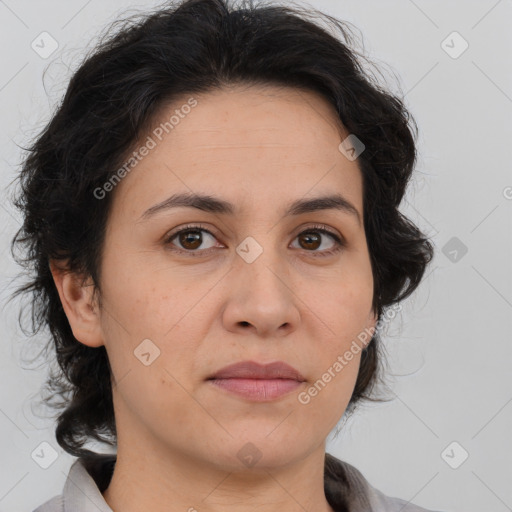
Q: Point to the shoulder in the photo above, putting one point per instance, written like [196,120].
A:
[361,495]
[86,480]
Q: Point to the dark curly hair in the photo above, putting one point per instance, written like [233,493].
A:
[192,47]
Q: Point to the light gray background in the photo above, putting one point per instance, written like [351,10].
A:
[450,349]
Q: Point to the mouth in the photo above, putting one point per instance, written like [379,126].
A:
[258,382]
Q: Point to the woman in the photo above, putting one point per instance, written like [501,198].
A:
[212,218]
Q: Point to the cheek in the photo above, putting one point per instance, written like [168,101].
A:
[345,309]
[325,400]
[342,312]
[156,396]
[135,293]
[151,321]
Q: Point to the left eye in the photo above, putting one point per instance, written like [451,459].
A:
[313,237]
[191,238]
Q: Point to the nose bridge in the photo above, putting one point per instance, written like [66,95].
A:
[260,259]
[260,293]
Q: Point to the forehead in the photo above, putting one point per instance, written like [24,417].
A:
[270,143]
[258,116]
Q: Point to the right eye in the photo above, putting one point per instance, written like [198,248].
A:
[190,238]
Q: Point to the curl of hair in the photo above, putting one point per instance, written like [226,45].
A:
[185,49]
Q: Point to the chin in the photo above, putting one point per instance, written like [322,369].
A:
[260,452]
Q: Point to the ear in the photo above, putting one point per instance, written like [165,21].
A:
[78,302]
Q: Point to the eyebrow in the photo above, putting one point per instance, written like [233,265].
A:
[211,204]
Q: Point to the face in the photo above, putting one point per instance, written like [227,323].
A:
[259,284]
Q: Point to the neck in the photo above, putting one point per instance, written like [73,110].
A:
[163,482]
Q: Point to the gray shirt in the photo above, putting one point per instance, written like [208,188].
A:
[345,488]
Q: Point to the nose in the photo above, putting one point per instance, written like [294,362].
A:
[261,298]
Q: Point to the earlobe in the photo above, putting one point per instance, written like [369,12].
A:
[77,298]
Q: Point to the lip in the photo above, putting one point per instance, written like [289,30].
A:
[258,382]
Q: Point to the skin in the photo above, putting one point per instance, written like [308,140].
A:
[259,148]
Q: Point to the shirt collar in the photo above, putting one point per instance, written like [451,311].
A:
[344,486]
[87,479]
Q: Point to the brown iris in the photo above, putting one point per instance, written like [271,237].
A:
[309,236]
[191,239]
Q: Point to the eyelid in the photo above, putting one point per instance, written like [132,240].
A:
[320,227]
[189,227]
[338,238]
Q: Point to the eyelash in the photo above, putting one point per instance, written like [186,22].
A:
[340,242]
